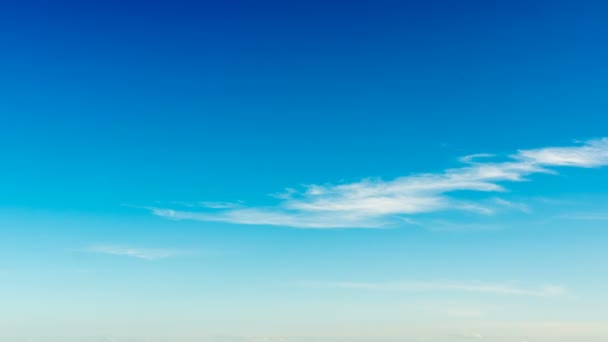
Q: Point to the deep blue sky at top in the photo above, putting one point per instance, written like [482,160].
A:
[111,102]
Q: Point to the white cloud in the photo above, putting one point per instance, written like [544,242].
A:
[471,158]
[513,205]
[140,253]
[220,205]
[592,154]
[206,204]
[274,217]
[373,203]
[473,287]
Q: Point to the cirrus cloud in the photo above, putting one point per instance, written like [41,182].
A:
[134,252]
[375,203]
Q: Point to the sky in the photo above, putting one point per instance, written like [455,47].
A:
[240,171]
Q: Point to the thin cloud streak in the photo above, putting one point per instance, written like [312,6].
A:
[139,253]
[374,203]
[220,205]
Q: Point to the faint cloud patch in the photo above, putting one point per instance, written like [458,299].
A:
[135,252]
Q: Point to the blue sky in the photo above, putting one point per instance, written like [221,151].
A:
[303,171]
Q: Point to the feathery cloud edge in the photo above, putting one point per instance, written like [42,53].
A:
[134,252]
[375,203]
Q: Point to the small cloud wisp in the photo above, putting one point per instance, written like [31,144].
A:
[139,253]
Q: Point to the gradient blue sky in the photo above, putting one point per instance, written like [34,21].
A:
[303,171]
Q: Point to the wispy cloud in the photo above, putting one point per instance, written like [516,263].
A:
[220,205]
[134,252]
[373,203]
[202,204]
[513,205]
[473,287]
